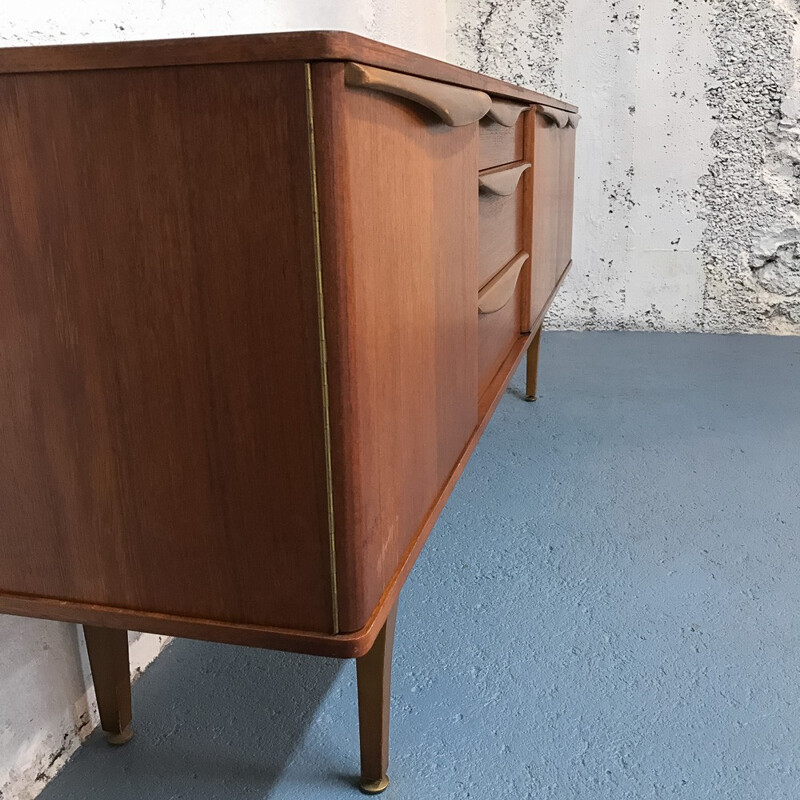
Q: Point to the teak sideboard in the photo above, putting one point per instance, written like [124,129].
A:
[259,296]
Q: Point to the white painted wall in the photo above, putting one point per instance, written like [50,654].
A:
[46,699]
[687,214]
[47,702]
[414,24]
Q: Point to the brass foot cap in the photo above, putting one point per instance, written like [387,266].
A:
[373,787]
[120,738]
[531,398]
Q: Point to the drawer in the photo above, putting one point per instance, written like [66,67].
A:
[500,227]
[501,139]
[499,321]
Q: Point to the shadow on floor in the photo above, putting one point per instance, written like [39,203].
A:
[607,609]
[210,721]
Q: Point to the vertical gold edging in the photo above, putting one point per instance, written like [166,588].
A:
[323,348]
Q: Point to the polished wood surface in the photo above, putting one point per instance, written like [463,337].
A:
[497,333]
[257,305]
[499,144]
[304,46]
[499,290]
[400,295]
[374,674]
[500,232]
[545,143]
[108,658]
[151,293]
[454,105]
[501,180]
[506,112]
[566,195]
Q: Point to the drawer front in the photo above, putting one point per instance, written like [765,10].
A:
[500,231]
[497,333]
[499,144]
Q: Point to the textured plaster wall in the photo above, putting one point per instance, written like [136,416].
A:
[415,24]
[687,214]
[46,700]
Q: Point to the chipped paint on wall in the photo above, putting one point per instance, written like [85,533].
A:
[688,156]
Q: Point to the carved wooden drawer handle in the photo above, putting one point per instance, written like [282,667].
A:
[453,104]
[506,112]
[501,181]
[554,115]
[500,289]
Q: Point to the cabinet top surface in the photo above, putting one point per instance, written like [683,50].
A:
[291,46]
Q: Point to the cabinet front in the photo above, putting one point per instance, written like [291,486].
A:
[553,147]
[404,184]
[161,421]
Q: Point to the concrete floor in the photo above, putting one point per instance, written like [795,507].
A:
[609,607]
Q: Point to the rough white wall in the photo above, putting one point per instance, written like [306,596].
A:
[45,710]
[687,213]
[414,24]
[47,702]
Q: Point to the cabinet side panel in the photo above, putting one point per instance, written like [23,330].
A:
[406,193]
[161,438]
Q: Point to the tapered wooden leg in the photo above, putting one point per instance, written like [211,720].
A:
[374,672]
[532,371]
[108,657]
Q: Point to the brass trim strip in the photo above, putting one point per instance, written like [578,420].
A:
[323,348]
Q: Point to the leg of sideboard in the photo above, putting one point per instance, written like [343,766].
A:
[374,671]
[532,366]
[108,658]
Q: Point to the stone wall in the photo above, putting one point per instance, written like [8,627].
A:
[687,214]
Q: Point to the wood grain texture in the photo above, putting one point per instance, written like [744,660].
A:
[501,180]
[506,112]
[348,645]
[159,335]
[454,105]
[107,649]
[499,290]
[499,144]
[290,46]
[151,292]
[545,143]
[496,334]
[566,196]
[399,258]
[526,278]
[553,116]
[500,232]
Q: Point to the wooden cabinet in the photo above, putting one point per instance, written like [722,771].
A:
[552,144]
[259,298]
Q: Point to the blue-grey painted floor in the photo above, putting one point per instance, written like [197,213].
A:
[609,607]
